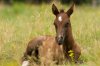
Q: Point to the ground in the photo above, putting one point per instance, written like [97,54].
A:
[20,23]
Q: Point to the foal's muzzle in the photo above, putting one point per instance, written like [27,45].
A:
[60,39]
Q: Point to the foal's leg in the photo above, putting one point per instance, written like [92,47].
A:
[25,59]
[76,57]
[77,53]
[35,56]
[67,57]
[31,54]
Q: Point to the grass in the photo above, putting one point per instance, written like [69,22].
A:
[20,23]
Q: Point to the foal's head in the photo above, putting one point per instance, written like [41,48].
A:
[62,23]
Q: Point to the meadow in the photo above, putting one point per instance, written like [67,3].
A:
[20,23]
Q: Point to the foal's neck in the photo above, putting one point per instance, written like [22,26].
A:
[69,40]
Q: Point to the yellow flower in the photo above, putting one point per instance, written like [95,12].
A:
[71,54]
[70,51]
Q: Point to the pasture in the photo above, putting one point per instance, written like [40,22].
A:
[20,23]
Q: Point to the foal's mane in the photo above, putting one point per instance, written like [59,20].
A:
[61,10]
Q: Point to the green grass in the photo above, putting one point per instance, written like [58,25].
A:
[20,23]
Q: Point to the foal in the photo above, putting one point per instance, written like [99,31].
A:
[46,48]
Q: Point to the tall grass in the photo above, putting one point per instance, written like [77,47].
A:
[20,23]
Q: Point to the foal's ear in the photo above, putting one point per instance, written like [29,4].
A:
[55,10]
[70,11]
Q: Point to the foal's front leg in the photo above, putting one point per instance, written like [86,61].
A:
[77,53]
[67,57]
[25,58]
[28,55]
[76,57]
[73,56]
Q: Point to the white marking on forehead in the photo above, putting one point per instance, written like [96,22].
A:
[60,18]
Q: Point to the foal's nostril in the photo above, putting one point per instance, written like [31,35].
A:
[61,37]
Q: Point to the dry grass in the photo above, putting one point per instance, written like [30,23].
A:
[20,23]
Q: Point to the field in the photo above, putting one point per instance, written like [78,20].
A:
[20,23]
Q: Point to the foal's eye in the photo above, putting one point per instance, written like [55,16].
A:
[55,25]
[66,25]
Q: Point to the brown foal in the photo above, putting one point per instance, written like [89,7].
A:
[50,48]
